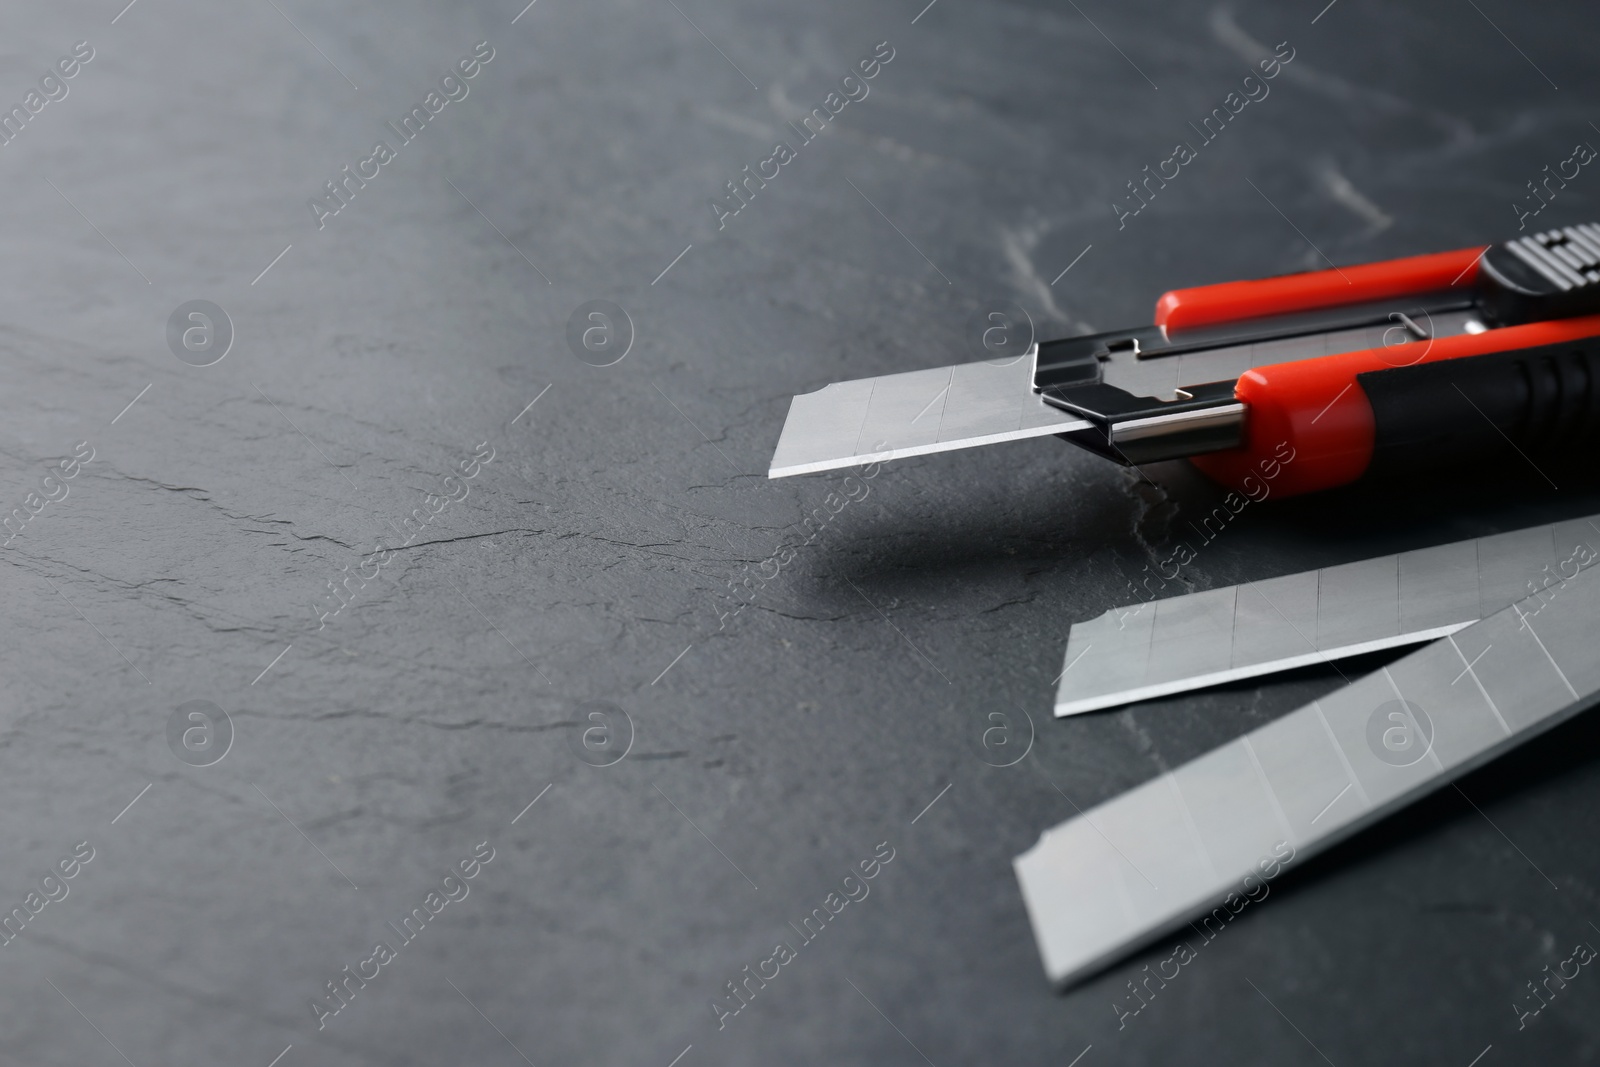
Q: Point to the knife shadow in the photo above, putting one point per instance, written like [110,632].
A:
[937,521]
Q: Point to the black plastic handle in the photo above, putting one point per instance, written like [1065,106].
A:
[1540,403]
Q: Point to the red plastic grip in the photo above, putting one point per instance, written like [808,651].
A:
[1309,423]
[1208,305]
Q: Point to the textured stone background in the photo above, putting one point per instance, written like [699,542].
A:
[596,546]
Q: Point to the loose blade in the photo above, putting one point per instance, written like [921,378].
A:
[1147,650]
[1199,842]
[873,420]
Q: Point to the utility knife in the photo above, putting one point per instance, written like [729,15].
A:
[1320,378]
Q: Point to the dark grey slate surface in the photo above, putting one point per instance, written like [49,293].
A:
[599,543]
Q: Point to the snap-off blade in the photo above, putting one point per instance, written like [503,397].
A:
[1146,650]
[873,420]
